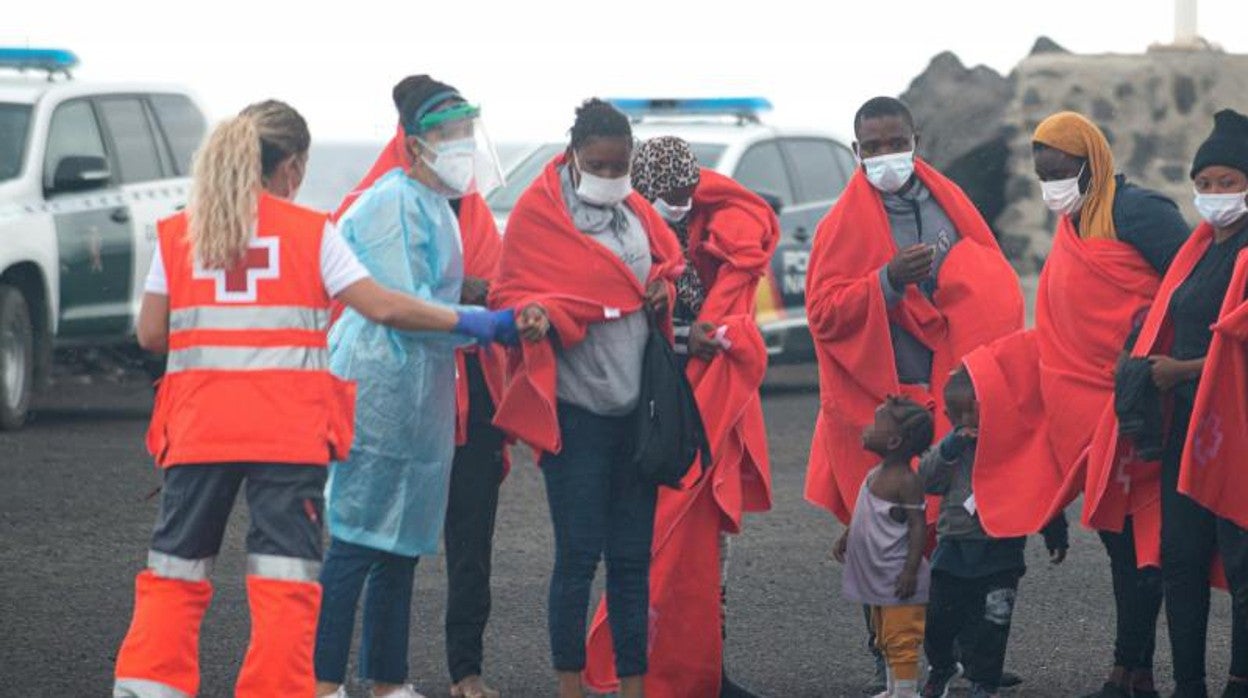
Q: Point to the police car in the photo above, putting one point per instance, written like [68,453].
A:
[801,173]
[86,170]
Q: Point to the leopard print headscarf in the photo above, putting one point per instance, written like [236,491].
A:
[663,164]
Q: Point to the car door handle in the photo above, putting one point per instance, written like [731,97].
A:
[120,215]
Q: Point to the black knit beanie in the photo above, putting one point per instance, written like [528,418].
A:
[1227,145]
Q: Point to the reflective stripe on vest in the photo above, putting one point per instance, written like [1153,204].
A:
[248,359]
[143,688]
[290,569]
[173,567]
[248,317]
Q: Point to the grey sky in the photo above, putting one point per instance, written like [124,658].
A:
[529,63]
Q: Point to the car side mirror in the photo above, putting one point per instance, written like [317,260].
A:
[773,200]
[76,173]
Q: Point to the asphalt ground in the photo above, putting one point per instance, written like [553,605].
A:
[75,519]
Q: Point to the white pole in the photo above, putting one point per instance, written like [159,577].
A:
[1185,22]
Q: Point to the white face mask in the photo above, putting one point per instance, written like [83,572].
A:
[670,213]
[456,163]
[1222,210]
[1062,196]
[601,191]
[889,173]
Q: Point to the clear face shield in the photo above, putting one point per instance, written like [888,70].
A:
[457,148]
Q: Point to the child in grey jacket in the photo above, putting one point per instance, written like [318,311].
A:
[974,576]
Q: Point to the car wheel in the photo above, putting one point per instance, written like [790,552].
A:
[17,358]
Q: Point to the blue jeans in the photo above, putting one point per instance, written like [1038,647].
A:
[387,613]
[599,505]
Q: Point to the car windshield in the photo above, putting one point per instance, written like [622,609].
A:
[522,175]
[14,124]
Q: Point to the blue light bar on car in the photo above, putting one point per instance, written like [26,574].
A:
[728,106]
[52,60]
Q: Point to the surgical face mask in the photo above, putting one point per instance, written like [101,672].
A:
[889,173]
[455,165]
[1062,196]
[670,213]
[601,191]
[1222,210]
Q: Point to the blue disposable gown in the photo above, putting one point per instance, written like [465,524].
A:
[391,492]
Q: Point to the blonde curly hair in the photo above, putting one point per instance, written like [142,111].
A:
[230,169]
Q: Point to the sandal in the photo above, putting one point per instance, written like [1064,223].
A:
[473,687]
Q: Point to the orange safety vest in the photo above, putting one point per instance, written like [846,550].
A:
[247,378]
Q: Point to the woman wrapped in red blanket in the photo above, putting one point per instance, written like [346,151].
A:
[1194,343]
[1042,391]
[596,257]
[727,235]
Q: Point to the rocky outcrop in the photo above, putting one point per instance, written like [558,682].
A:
[959,113]
[1154,107]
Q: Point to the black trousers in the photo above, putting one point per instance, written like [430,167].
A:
[1137,601]
[286,504]
[476,474]
[972,615]
[1190,535]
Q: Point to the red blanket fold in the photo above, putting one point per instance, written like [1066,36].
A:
[482,247]
[732,235]
[1118,482]
[977,300]
[546,260]
[1214,457]
[1041,391]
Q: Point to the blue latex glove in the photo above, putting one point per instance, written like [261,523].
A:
[478,324]
[487,326]
[505,331]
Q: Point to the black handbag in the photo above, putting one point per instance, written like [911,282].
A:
[669,431]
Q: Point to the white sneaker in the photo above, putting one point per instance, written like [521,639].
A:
[340,693]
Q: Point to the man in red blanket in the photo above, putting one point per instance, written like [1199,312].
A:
[728,235]
[1042,391]
[905,278]
[480,459]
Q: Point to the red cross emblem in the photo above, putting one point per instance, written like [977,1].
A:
[239,284]
[1208,439]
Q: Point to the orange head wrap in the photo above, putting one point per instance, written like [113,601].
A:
[1075,135]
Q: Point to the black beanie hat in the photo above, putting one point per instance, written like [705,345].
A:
[416,95]
[1227,145]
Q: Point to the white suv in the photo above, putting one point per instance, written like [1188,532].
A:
[86,170]
[801,173]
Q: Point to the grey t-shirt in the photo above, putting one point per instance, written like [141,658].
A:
[914,217]
[602,374]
